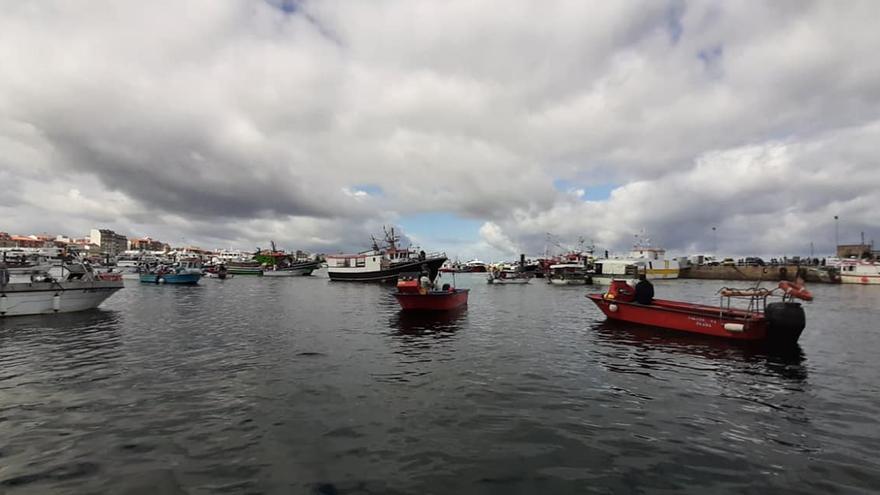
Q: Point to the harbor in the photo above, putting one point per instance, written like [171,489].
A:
[413,247]
[305,385]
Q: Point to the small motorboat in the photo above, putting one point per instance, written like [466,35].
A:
[185,272]
[412,296]
[778,322]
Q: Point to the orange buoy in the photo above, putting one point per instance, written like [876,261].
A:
[794,290]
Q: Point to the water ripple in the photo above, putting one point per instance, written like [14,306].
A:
[301,385]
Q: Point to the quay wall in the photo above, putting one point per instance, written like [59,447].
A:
[769,273]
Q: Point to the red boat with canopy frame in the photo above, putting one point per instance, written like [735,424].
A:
[414,297]
[776,322]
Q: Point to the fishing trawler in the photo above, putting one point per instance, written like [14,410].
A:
[277,263]
[642,259]
[383,263]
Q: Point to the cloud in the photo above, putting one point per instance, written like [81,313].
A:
[231,122]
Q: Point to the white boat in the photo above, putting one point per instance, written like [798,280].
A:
[474,266]
[569,274]
[505,276]
[20,262]
[79,289]
[606,270]
[863,272]
[291,271]
[383,263]
[642,259]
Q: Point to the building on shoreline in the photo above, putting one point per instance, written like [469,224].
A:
[109,242]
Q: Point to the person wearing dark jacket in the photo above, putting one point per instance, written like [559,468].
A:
[644,290]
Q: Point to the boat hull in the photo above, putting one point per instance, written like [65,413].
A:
[570,281]
[860,279]
[300,270]
[508,280]
[685,317]
[244,271]
[388,275]
[433,301]
[171,278]
[21,299]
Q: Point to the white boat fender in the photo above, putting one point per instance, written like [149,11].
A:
[56,301]
[612,308]
[734,327]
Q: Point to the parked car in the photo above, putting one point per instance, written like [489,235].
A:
[754,261]
[728,262]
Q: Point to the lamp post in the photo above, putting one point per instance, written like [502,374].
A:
[714,242]
[836,236]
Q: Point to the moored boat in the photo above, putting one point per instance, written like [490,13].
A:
[295,269]
[863,272]
[777,322]
[243,267]
[569,274]
[507,276]
[383,263]
[185,272]
[413,297]
[80,288]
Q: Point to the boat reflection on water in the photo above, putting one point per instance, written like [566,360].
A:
[786,362]
[64,322]
[429,322]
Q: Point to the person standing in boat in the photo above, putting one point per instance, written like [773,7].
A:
[644,290]
[425,283]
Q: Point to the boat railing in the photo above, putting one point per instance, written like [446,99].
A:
[756,298]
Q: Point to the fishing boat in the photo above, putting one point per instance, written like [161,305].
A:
[184,272]
[863,272]
[276,263]
[501,275]
[244,267]
[474,266]
[79,288]
[383,263]
[643,259]
[413,296]
[569,274]
[295,269]
[777,322]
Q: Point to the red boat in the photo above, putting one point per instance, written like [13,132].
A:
[412,297]
[779,322]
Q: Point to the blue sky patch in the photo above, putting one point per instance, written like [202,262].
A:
[591,192]
[441,228]
[371,189]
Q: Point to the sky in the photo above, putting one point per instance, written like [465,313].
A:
[474,127]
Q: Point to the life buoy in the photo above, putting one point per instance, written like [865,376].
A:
[795,290]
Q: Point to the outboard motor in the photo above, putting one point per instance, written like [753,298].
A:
[785,322]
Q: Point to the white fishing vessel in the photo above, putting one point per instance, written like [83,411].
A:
[383,263]
[642,259]
[863,272]
[79,288]
[501,275]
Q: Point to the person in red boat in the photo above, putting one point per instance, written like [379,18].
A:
[644,290]
[621,291]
